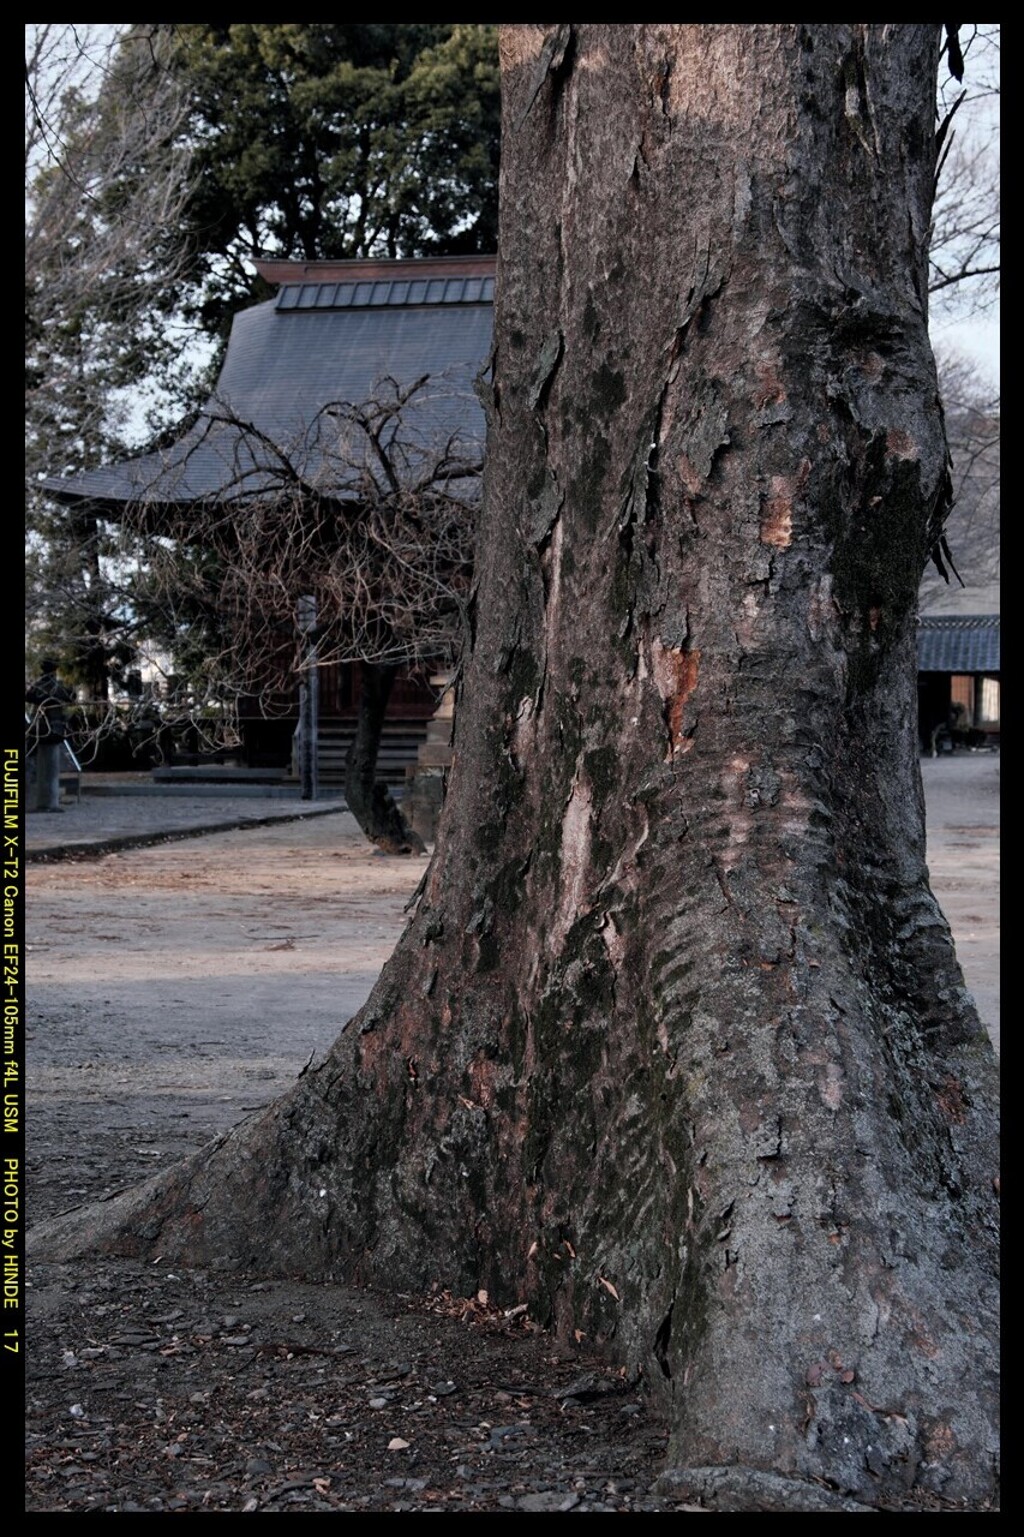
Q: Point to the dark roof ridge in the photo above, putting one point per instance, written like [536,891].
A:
[957,621]
[361,269]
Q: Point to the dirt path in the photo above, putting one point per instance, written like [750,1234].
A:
[172,989]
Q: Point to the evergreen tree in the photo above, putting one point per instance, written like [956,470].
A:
[104,168]
[323,140]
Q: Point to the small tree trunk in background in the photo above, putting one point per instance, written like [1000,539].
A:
[309,699]
[92,659]
[369,801]
[677,1048]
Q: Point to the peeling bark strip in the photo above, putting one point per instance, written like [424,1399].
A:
[777,519]
[675,672]
[695,1071]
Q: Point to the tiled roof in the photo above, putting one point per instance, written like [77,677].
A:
[318,343]
[958,643]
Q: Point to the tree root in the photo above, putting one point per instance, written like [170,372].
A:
[741,1488]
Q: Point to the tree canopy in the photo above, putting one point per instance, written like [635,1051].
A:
[105,168]
[325,140]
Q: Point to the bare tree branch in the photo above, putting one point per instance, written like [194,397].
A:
[965,234]
[972,526]
[371,511]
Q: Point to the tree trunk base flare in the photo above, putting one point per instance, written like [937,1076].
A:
[370,802]
[676,1049]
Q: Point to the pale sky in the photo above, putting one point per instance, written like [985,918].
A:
[977,337]
[977,123]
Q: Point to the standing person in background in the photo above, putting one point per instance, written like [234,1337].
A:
[47,733]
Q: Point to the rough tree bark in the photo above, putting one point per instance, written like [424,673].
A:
[676,1046]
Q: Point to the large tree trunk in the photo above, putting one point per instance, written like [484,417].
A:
[369,800]
[677,1047]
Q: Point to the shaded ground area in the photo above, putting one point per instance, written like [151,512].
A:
[122,811]
[173,989]
[151,1390]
